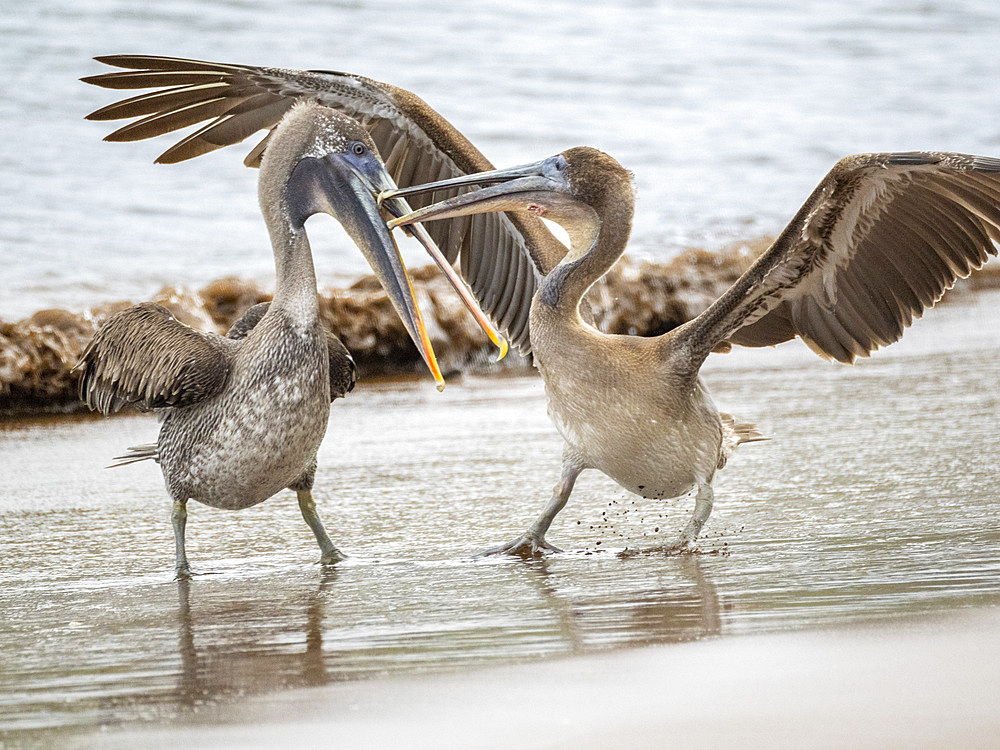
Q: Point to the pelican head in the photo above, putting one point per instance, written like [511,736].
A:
[577,189]
[320,161]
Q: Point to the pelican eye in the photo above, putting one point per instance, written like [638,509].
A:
[559,164]
[359,149]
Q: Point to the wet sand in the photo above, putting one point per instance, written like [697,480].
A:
[929,684]
[876,504]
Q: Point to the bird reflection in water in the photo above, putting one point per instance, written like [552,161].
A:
[570,607]
[684,607]
[211,673]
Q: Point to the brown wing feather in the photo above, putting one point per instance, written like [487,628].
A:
[156,102]
[878,242]
[143,356]
[418,146]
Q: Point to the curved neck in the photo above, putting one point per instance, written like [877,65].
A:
[592,254]
[295,285]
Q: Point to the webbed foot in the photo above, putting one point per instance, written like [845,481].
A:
[528,546]
[332,557]
[678,546]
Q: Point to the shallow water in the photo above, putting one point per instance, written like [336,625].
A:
[876,499]
[728,113]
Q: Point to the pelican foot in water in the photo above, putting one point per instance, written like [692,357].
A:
[678,546]
[528,546]
[531,544]
[332,557]
[307,505]
[704,499]
[178,518]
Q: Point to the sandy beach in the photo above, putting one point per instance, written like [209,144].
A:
[845,590]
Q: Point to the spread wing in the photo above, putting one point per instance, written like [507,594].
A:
[343,371]
[503,257]
[144,356]
[878,242]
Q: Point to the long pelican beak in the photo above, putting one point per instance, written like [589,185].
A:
[332,185]
[380,182]
[398,207]
[515,189]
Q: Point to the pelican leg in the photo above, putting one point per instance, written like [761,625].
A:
[308,507]
[532,543]
[702,510]
[178,518]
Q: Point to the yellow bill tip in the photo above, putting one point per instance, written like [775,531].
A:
[502,345]
[436,372]
[430,358]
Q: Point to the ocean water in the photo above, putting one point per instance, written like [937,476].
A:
[727,112]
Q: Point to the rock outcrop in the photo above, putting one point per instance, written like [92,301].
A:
[643,299]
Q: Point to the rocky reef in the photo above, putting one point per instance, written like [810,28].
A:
[37,354]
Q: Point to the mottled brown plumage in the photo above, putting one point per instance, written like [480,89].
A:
[343,370]
[143,357]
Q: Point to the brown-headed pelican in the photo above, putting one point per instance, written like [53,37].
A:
[244,414]
[880,240]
